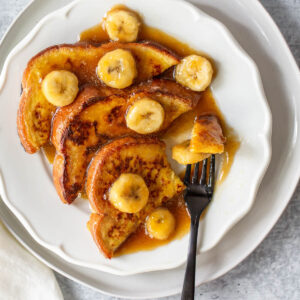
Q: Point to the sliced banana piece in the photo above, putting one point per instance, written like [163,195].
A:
[129,193]
[182,154]
[160,224]
[194,72]
[117,68]
[145,116]
[60,87]
[122,25]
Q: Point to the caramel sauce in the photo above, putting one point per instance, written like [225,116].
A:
[49,151]
[231,147]
[140,240]
[185,123]
[97,34]
[83,195]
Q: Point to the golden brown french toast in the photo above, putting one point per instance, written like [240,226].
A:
[207,135]
[66,114]
[144,156]
[95,120]
[35,112]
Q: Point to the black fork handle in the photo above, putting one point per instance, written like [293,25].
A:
[188,290]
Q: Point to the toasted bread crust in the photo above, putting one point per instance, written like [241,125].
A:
[81,128]
[94,226]
[144,156]
[35,112]
[58,176]
[100,227]
[22,130]
[170,87]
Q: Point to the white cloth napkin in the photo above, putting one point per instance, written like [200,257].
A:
[22,276]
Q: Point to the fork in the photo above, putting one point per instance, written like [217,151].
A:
[197,196]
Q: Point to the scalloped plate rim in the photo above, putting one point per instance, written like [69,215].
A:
[265,135]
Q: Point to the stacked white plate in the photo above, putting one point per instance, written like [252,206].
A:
[31,209]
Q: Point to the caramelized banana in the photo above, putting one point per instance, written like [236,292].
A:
[160,224]
[60,87]
[145,116]
[182,154]
[194,72]
[122,25]
[129,193]
[117,68]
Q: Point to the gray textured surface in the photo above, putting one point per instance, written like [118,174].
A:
[273,270]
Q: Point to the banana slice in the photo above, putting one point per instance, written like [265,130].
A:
[117,68]
[60,87]
[145,116]
[122,25]
[129,193]
[160,224]
[182,154]
[194,72]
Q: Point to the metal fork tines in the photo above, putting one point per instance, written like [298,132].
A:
[198,194]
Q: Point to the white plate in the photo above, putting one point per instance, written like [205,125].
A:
[26,180]
[257,33]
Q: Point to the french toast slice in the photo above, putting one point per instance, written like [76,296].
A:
[207,135]
[93,122]
[144,156]
[35,112]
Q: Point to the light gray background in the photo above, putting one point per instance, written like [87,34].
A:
[272,271]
